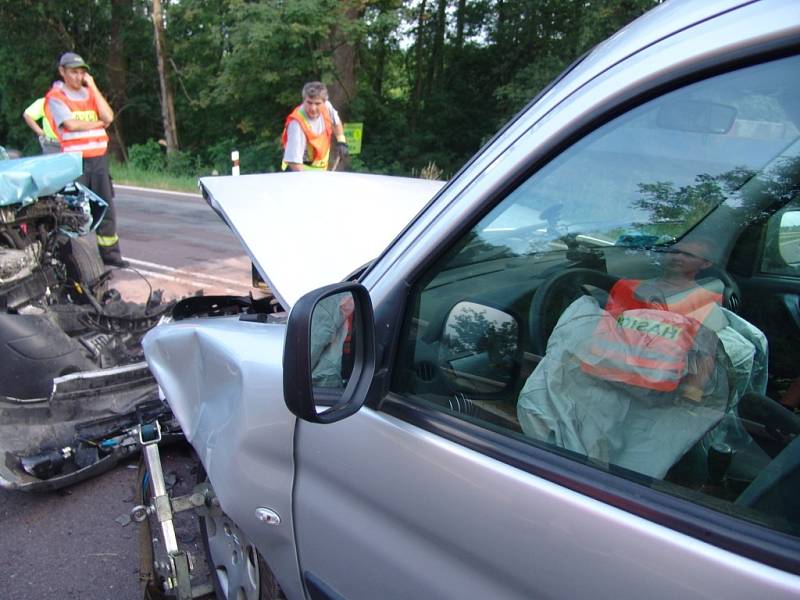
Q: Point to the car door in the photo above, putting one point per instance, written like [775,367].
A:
[501,459]
[766,262]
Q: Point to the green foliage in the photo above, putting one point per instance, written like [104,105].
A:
[127,174]
[147,157]
[431,80]
[181,162]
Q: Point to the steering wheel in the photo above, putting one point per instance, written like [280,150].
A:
[555,295]
[559,291]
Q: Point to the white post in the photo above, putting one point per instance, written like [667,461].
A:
[235,160]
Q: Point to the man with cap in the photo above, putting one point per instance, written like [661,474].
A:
[79,114]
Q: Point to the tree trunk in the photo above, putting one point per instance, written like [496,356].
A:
[462,4]
[437,59]
[167,106]
[117,74]
[380,67]
[343,88]
[416,95]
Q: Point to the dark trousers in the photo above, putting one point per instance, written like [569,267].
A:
[97,178]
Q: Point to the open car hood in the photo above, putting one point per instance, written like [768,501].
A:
[23,180]
[306,230]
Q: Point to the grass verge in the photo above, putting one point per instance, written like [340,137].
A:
[129,175]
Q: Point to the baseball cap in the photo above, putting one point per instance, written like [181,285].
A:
[71,60]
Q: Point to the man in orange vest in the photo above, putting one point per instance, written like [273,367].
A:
[309,130]
[656,325]
[79,114]
[638,383]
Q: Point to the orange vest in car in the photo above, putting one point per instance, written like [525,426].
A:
[646,342]
[319,145]
[90,143]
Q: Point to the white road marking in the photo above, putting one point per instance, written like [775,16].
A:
[134,188]
[180,272]
[184,281]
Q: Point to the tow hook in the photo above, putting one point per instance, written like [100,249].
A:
[178,566]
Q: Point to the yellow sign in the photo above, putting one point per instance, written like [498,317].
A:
[353,133]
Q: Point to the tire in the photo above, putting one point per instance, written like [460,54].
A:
[82,260]
[237,570]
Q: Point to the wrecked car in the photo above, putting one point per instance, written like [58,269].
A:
[573,373]
[73,382]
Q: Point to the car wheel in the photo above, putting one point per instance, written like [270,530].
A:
[237,569]
[83,263]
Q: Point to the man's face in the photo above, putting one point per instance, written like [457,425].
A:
[313,106]
[686,258]
[73,77]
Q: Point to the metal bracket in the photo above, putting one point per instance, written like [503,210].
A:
[181,579]
[179,565]
[150,433]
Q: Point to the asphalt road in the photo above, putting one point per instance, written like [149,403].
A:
[67,544]
[179,244]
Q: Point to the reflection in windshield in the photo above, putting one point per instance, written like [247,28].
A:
[666,213]
[644,180]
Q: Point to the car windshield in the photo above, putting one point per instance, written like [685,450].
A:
[649,177]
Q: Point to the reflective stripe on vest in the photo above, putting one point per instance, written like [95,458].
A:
[91,142]
[318,146]
[642,347]
[647,343]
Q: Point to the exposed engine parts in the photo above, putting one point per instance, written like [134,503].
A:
[73,378]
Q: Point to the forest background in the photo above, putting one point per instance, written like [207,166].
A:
[431,80]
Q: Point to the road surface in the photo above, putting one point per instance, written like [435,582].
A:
[179,244]
[67,545]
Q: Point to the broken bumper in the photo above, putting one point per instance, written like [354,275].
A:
[85,427]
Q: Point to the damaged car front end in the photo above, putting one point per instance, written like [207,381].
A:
[73,383]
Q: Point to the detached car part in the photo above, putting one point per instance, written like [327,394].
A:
[72,378]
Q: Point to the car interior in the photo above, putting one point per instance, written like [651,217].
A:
[635,303]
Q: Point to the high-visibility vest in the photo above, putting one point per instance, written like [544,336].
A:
[36,112]
[90,143]
[646,342]
[318,145]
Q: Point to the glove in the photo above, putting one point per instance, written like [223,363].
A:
[342,149]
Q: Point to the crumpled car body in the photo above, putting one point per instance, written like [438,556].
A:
[72,378]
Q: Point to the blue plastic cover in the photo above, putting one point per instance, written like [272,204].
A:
[23,180]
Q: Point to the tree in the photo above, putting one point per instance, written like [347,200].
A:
[431,79]
[117,74]
[167,105]
[344,36]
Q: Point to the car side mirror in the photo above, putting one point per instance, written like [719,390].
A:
[329,353]
[480,348]
[789,238]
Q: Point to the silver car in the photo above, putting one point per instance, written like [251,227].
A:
[572,371]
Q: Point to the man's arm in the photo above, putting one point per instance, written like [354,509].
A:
[338,127]
[338,132]
[295,147]
[32,115]
[31,122]
[104,111]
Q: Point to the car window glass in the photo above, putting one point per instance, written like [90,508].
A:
[332,338]
[782,247]
[590,312]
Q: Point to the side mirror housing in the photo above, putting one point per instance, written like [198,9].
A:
[329,353]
